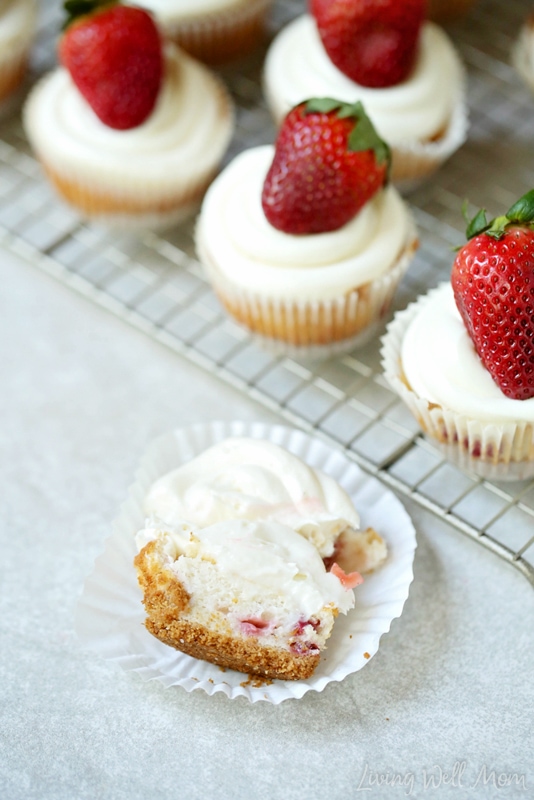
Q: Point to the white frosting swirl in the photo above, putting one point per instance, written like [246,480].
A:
[189,127]
[252,479]
[247,249]
[297,67]
[169,11]
[441,365]
[265,559]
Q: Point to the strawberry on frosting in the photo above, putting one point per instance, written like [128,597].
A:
[328,162]
[114,56]
[373,43]
[493,282]
[462,356]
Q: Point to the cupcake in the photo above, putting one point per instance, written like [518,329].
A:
[124,157]
[421,116]
[239,558]
[17,27]
[462,357]
[303,243]
[523,52]
[212,30]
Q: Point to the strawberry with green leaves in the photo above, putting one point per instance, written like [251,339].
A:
[328,162]
[114,55]
[493,283]
[373,42]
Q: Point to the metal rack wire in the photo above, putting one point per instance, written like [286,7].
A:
[155,284]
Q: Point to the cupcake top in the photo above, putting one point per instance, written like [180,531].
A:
[261,561]
[297,67]
[441,365]
[252,479]
[190,123]
[251,252]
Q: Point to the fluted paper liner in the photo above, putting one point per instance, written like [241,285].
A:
[493,450]
[310,328]
[110,616]
[224,34]
[412,162]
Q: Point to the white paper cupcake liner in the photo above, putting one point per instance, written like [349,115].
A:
[501,451]
[110,616]
[413,162]
[218,36]
[310,329]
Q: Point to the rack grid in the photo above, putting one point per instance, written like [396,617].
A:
[154,283]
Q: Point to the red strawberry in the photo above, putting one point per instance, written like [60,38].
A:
[328,162]
[493,283]
[114,56]
[373,42]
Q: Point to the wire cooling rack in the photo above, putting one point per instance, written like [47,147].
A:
[155,284]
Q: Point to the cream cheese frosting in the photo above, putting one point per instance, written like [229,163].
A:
[263,558]
[441,365]
[297,67]
[253,480]
[189,128]
[248,250]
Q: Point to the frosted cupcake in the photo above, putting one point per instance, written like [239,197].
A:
[149,173]
[422,116]
[465,366]
[17,27]
[523,52]
[282,260]
[212,30]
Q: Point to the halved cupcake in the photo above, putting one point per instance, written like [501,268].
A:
[250,596]
[247,556]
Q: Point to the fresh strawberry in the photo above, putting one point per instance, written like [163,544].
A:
[373,42]
[328,162]
[493,283]
[114,56]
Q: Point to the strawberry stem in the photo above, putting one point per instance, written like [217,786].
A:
[521,213]
[363,136]
[81,8]
[523,210]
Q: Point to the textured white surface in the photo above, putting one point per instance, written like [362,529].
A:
[82,395]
